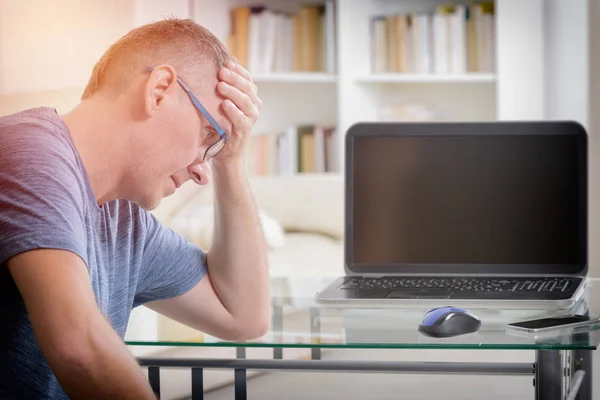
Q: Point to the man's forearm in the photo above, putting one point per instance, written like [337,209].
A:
[237,259]
[100,367]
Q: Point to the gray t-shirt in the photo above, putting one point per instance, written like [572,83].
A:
[46,201]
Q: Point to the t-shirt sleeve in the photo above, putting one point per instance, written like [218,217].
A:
[41,204]
[171,264]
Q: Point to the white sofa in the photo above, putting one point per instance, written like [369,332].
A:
[302,219]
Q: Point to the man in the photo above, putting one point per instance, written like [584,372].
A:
[78,247]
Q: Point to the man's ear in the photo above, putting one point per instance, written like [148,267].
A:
[160,80]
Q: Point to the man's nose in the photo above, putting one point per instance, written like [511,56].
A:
[200,172]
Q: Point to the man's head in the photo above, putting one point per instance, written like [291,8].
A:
[152,75]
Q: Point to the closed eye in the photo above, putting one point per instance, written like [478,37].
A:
[210,136]
[211,133]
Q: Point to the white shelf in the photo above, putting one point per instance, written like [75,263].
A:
[295,77]
[428,78]
[540,63]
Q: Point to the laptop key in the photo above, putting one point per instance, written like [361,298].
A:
[462,287]
[420,294]
[508,295]
[565,286]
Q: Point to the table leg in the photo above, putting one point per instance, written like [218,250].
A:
[549,375]
[277,331]
[582,361]
[563,375]
[154,380]
[197,384]
[315,333]
[239,377]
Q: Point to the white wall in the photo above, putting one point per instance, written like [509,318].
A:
[572,85]
[147,11]
[566,60]
[520,59]
[594,131]
[62,100]
[53,45]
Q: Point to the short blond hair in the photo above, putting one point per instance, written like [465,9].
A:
[187,46]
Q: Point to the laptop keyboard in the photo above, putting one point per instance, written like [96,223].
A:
[465,287]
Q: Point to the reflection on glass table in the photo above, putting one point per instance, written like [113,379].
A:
[325,326]
[563,357]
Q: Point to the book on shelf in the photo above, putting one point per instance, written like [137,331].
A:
[269,41]
[308,148]
[453,39]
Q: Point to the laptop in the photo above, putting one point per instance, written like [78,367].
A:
[477,214]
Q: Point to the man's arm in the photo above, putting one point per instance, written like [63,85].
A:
[237,258]
[232,301]
[85,354]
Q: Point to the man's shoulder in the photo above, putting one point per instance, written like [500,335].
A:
[37,137]
[33,129]
[38,159]
[43,196]
[44,117]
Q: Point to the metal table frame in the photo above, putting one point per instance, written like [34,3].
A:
[558,374]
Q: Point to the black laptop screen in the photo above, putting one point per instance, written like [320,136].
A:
[489,199]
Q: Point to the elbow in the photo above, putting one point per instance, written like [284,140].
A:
[250,329]
[254,330]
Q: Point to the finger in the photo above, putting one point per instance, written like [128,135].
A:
[235,79]
[238,119]
[258,103]
[242,100]
[234,66]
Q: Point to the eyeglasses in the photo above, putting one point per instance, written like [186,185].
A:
[216,147]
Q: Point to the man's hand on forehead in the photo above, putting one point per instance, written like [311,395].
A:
[241,106]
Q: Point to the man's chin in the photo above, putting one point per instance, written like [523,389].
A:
[150,204]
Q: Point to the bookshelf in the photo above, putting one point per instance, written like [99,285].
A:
[297,82]
[510,87]
[539,67]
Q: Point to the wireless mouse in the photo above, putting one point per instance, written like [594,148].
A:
[448,321]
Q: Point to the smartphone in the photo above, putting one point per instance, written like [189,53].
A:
[553,323]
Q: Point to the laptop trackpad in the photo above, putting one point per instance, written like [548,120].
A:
[420,294]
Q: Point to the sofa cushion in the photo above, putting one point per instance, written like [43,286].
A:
[196,223]
[307,255]
[299,203]
[305,202]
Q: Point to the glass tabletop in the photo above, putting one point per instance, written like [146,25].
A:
[299,321]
